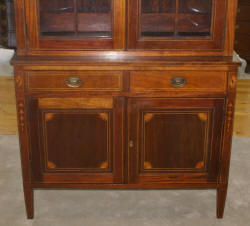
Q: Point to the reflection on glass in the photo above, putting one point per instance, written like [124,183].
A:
[57,6]
[76,18]
[195,6]
[176,18]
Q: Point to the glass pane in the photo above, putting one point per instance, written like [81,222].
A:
[76,18]
[194,18]
[71,140]
[176,18]
[195,6]
[175,140]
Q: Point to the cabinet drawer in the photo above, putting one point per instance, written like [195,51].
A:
[178,81]
[74,80]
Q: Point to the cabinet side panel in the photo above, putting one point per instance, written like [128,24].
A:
[20,24]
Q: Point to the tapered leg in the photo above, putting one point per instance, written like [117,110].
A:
[29,201]
[221,200]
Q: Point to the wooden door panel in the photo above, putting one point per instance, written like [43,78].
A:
[73,141]
[174,139]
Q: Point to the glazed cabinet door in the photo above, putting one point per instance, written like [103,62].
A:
[76,140]
[176,24]
[174,140]
[75,24]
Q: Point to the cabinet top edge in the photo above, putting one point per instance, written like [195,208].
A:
[124,60]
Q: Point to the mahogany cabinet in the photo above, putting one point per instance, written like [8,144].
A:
[125,94]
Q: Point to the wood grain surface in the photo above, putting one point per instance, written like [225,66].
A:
[8,123]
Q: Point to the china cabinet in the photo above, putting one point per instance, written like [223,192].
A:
[125,94]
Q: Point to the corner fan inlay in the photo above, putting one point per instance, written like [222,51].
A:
[203,116]
[104,165]
[148,117]
[199,165]
[49,116]
[51,165]
[103,116]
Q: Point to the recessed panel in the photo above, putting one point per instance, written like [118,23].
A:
[174,140]
[77,140]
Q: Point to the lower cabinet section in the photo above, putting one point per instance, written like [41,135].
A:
[94,140]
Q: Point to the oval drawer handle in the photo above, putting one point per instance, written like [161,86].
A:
[73,82]
[178,82]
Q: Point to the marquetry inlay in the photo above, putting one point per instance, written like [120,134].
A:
[148,117]
[199,165]
[147,165]
[21,117]
[51,165]
[232,81]
[19,81]
[104,165]
[103,116]
[203,116]
[49,116]
[229,116]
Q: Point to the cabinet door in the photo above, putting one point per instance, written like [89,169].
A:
[176,24]
[75,24]
[76,140]
[174,140]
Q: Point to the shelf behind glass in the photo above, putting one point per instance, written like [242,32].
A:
[77,19]
[97,34]
[179,18]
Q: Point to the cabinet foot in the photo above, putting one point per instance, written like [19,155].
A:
[221,200]
[29,201]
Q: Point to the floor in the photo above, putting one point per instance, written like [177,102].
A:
[242,109]
[8,120]
[123,208]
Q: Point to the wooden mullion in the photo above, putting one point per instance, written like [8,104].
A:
[76,17]
[176,17]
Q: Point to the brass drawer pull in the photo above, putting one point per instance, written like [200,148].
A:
[178,82]
[73,82]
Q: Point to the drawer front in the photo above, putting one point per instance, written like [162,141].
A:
[178,81]
[73,80]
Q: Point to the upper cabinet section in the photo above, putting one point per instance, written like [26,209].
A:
[177,24]
[76,24]
[168,27]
